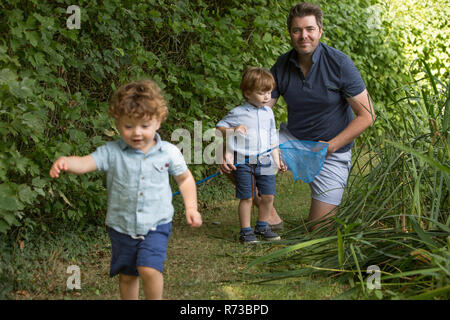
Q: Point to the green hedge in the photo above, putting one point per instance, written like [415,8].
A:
[55,83]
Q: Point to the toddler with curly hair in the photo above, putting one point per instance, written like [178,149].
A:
[137,166]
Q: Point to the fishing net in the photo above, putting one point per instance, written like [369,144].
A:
[303,158]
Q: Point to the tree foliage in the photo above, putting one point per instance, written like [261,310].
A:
[55,83]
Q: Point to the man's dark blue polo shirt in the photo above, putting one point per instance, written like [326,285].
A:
[317,106]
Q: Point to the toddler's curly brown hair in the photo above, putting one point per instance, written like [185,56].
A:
[140,99]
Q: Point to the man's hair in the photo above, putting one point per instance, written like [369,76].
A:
[141,99]
[257,79]
[304,9]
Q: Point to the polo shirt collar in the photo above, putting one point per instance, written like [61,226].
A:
[317,52]
[315,57]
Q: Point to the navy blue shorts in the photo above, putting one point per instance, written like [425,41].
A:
[129,253]
[244,187]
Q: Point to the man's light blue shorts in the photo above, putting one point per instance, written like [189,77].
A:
[129,253]
[330,184]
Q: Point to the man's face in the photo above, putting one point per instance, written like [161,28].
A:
[305,35]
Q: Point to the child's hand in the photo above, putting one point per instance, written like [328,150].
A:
[193,218]
[58,165]
[227,166]
[241,129]
[281,166]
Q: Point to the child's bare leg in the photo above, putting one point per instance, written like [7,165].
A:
[244,210]
[265,207]
[152,283]
[129,287]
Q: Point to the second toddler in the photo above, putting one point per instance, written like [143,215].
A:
[252,125]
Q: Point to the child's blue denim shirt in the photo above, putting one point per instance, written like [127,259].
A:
[139,194]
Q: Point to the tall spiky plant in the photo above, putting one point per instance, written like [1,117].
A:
[395,213]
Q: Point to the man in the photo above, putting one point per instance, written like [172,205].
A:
[321,87]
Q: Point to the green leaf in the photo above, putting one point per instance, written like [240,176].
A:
[442,167]
[9,217]
[421,233]
[8,199]
[33,37]
[33,121]
[4,227]
[289,249]
[363,285]
[340,245]
[26,195]
[38,182]
[7,76]
[9,202]
[431,294]
[267,37]
[155,13]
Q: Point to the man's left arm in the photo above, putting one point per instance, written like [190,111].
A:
[362,106]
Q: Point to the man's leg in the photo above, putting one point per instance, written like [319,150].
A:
[328,187]
[320,211]
[273,217]
[265,207]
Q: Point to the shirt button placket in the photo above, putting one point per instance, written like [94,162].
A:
[140,198]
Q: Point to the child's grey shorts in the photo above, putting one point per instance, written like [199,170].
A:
[329,184]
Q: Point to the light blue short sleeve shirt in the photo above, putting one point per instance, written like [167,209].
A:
[139,193]
[261,129]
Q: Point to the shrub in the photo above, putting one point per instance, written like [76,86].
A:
[55,83]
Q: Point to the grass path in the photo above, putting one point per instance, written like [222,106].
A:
[204,263]
[208,263]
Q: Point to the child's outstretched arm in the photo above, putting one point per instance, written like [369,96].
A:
[76,165]
[188,190]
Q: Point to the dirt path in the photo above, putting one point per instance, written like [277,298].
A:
[204,263]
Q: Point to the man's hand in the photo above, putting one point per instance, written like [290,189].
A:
[331,147]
